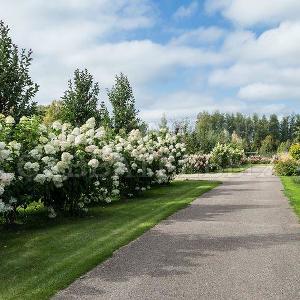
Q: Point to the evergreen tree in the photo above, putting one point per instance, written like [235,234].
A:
[123,104]
[284,129]
[80,101]
[274,128]
[16,87]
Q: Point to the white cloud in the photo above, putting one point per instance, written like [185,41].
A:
[199,36]
[264,67]
[143,61]
[246,73]
[186,11]
[281,45]
[252,12]
[267,92]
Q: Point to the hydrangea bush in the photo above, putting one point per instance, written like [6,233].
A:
[222,156]
[198,163]
[67,168]
[225,155]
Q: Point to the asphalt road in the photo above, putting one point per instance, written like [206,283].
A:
[239,241]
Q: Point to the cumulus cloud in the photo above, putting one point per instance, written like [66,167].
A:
[263,91]
[256,12]
[241,74]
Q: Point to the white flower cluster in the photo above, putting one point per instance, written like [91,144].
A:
[198,163]
[70,167]
[8,153]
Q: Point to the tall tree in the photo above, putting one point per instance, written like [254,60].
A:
[80,101]
[16,87]
[274,128]
[284,129]
[123,104]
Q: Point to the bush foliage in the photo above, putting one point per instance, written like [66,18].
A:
[288,167]
[295,151]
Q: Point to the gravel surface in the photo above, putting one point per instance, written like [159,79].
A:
[238,241]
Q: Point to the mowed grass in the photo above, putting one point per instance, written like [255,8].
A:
[43,256]
[292,191]
[236,169]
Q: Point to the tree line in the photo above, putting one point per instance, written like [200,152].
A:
[261,134]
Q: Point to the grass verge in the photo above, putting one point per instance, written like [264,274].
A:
[43,256]
[292,190]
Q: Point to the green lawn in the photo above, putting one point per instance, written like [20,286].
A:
[236,169]
[292,191]
[43,256]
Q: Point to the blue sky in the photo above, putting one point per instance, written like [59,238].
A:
[182,57]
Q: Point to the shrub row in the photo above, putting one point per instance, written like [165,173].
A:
[67,168]
[222,156]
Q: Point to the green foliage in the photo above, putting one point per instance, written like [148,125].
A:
[267,145]
[104,116]
[225,155]
[284,147]
[295,151]
[53,112]
[287,167]
[80,101]
[123,104]
[16,87]
[274,129]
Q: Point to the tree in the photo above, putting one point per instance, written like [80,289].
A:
[284,129]
[274,128]
[53,112]
[267,145]
[163,124]
[123,104]
[80,101]
[284,147]
[104,115]
[16,87]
